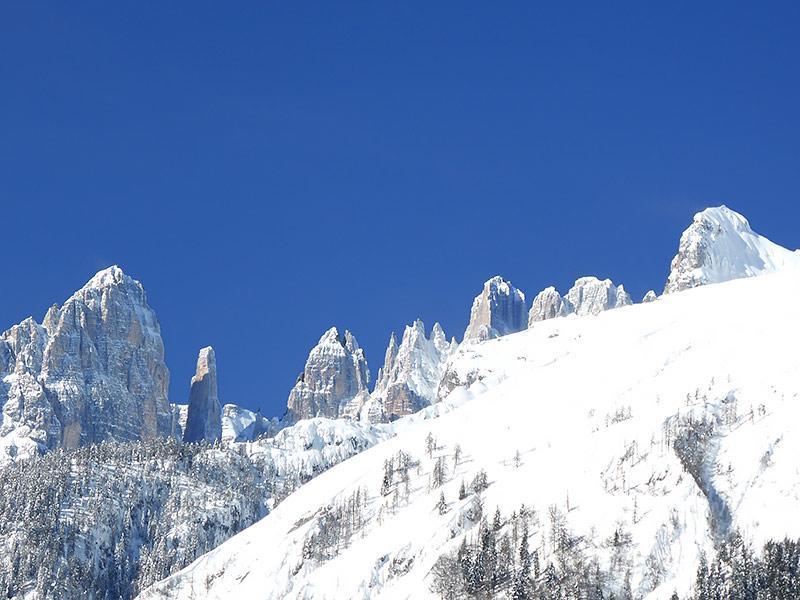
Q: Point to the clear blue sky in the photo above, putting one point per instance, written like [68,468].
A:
[270,169]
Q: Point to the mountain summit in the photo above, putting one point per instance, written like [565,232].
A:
[498,310]
[92,371]
[719,246]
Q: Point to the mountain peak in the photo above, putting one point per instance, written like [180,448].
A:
[719,246]
[498,310]
[107,277]
[724,217]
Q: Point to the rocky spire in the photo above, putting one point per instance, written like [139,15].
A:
[498,310]
[336,373]
[93,371]
[410,376]
[388,362]
[204,417]
[719,246]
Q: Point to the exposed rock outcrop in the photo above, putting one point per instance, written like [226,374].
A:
[719,246]
[498,310]
[548,304]
[410,375]
[589,296]
[336,375]
[204,415]
[93,371]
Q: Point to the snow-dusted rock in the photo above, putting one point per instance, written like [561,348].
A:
[29,423]
[591,296]
[204,417]
[93,371]
[336,374]
[548,304]
[410,375]
[498,310]
[650,296]
[242,425]
[719,246]
[180,413]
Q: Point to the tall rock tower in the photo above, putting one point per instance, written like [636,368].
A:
[204,417]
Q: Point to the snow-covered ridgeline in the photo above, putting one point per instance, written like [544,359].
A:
[584,421]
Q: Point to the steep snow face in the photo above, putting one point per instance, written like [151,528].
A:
[589,296]
[719,246]
[647,434]
[498,310]
[204,416]
[410,375]
[93,371]
[335,374]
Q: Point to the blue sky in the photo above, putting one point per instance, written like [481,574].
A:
[268,170]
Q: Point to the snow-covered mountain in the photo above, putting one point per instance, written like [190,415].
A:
[498,310]
[588,296]
[93,370]
[336,373]
[720,246]
[615,452]
[411,372]
[242,425]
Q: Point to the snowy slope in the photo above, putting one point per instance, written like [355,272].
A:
[674,422]
[107,520]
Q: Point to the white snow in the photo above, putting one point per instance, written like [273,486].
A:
[720,246]
[592,405]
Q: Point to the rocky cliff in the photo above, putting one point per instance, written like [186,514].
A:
[410,375]
[204,416]
[498,310]
[336,374]
[588,296]
[93,370]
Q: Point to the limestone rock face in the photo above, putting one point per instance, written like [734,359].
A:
[336,373]
[29,423]
[498,310]
[548,304]
[410,375]
[93,370]
[204,415]
[719,246]
[591,296]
